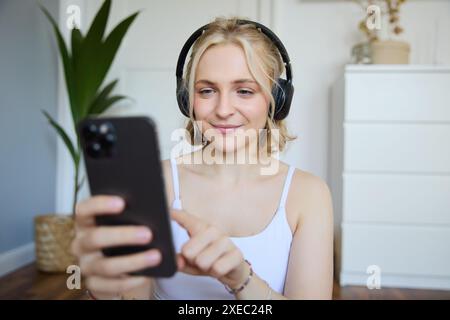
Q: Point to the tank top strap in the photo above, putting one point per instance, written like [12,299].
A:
[176,185]
[287,184]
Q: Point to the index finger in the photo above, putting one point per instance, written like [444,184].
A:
[188,221]
[86,210]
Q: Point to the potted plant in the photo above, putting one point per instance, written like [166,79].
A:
[386,51]
[85,69]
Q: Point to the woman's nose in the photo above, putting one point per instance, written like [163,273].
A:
[224,106]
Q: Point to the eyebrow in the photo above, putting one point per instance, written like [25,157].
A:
[234,82]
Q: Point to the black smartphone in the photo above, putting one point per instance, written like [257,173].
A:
[122,158]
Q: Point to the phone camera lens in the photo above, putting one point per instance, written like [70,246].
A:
[90,131]
[100,139]
[94,149]
[110,139]
[106,128]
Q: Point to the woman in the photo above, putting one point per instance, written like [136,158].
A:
[239,231]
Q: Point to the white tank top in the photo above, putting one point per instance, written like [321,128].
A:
[267,251]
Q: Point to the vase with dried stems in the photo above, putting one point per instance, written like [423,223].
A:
[380,28]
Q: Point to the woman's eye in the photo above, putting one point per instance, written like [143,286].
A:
[206,91]
[245,92]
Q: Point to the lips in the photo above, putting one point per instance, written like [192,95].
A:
[226,128]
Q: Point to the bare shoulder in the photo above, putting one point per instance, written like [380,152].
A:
[310,196]
[304,182]
[167,175]
[166,167]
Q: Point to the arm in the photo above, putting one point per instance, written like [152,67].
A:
[310,270]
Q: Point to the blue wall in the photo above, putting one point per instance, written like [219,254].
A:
[28,83]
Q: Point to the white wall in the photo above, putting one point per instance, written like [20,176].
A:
[318,35]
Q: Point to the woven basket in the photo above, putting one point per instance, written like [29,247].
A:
[53,238]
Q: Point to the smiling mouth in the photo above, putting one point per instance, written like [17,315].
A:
[226,129]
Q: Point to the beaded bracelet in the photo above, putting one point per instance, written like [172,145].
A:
[92,297]
[237,290]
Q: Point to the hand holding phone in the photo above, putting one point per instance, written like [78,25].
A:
[122,159]
[107,277]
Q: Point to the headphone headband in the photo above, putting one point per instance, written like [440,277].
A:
[266,31]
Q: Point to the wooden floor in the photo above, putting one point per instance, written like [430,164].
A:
[28,283]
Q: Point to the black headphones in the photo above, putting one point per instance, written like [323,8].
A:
[282,93]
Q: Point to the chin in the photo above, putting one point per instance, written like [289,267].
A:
[231,143]
[227,146]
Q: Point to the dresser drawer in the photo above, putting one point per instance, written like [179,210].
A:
[397,147]
[397,96]
[396,249]
[396,198]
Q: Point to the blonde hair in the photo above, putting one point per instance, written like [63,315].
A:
[260,52]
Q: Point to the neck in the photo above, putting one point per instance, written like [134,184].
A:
[236,166]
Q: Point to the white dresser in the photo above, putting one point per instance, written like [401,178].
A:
[390,174]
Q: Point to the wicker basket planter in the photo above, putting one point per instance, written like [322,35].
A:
[53,238]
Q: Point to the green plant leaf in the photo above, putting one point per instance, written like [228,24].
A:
[77,42]
[103,105]
[79,185]
[114,40]
[63,136]
[98,27]
[85,77]
[102,95]
[68,69]
[96,61]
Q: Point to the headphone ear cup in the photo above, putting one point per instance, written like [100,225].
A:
[278,93]
[183,100]
[282,94]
